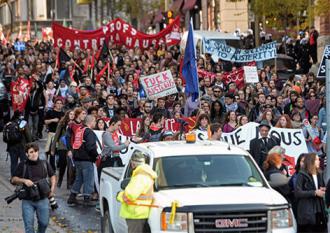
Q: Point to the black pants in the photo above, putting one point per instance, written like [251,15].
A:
[15,153]
[4,113]
[52,160]
[62,163]
[110,162]
[311,228]
[138,226]
[40,121]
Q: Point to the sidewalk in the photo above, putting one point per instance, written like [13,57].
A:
[79,219]
[11,215]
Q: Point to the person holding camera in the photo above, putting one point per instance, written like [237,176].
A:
[37,189]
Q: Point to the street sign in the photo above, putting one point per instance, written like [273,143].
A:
[322,68]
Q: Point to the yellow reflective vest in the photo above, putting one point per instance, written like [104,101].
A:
[136,200]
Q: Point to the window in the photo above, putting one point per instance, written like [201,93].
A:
[206,171]
[62,9]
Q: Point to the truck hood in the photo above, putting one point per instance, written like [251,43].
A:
[219,196]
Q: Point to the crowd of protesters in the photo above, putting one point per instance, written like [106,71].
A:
[66,95]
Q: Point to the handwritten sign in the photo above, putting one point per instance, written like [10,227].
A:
[222,51]
[251,74]
[159,85]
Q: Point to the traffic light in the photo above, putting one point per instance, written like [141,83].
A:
[169,17]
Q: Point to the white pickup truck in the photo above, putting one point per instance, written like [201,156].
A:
[218,188]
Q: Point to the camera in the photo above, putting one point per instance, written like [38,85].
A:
[53,203]
[34,193]
[20,193]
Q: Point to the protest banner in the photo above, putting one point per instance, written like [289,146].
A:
[219,50]
[206,74]
[292,140]
[322,68]
[251,74]
[236,76]
[129,126]
[159,85]
[118,32]
[20,91]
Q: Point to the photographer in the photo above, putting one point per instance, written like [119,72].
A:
[32,174]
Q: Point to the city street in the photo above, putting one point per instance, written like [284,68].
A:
[64,219]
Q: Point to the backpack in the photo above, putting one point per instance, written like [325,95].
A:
[12,133]
[78,138]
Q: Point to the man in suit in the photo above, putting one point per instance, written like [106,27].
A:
[259,147]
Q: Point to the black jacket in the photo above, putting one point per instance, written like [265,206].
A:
[88,150]
[307,203]
[34,99]
[255,112]
[259,150]
[106,109]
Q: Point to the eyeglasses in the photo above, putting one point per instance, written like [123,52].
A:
[147,106]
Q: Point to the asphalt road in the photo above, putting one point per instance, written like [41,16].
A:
[78,219]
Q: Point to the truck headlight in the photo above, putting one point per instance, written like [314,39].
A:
[282,218]
[180,222]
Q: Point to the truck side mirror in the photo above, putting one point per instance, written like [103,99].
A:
[124,183]
[277,179]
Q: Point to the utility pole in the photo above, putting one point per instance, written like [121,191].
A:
[327,83]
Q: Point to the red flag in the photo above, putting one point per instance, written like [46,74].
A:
[136,79]
[180,72]
[99,75]
[86,64]
[93,61]
[20,91]
[98,54]
[236,76]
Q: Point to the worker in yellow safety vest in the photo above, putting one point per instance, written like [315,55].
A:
[136,200]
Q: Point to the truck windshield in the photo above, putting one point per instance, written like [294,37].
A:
[206,171]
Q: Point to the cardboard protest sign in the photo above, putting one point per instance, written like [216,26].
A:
[251,74]
[159,85]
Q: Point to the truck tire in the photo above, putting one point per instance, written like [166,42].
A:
[106,225]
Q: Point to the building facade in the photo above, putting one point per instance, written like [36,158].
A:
[15,14]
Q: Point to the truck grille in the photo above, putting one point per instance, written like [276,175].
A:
[230,222]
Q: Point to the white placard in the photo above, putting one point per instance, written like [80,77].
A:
[251,74]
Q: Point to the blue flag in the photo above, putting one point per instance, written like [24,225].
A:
[189,68]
